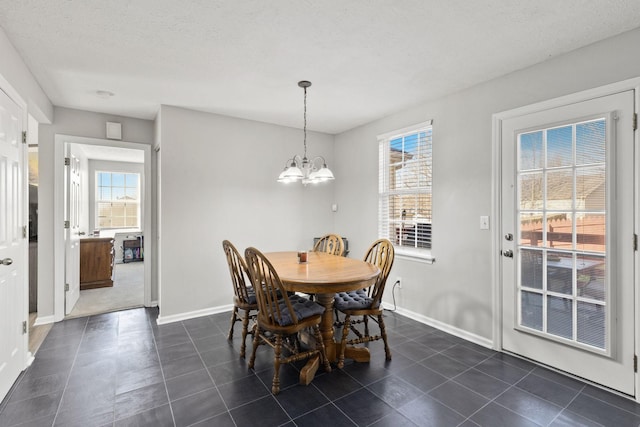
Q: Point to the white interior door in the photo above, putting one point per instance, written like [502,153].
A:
[12,245]
[72,231]
[568,226]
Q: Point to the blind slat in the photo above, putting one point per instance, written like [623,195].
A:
[405,187]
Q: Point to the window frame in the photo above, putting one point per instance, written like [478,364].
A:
[384,191]
[98,200]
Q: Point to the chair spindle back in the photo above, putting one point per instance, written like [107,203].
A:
[331,244]
[268,287]
[238,270]
[381,254]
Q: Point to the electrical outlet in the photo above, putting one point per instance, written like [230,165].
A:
[399,281]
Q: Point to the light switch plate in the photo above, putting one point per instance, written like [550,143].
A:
[484,222]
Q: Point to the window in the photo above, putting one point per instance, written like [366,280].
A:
[117,200]
[405,189]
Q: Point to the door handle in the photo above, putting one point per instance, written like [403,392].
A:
[82,233]
[508,253]
[6,261]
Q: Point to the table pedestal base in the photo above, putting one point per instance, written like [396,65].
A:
[309,370]
[358,354]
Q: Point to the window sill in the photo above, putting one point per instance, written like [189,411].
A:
[416,256]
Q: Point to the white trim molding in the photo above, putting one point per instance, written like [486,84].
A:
[460,333]
[44,320]
[163,320]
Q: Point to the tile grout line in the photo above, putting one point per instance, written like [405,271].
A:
[209,373]
[75,357]
[568,404]
[362,387]
[452,379]
[164,379]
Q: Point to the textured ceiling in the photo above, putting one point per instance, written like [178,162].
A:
[243,58]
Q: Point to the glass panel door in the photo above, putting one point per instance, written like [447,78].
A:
[567,217]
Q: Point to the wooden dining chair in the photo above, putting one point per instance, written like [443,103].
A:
[366,302]
[244,295]
[331,244]
[281,317]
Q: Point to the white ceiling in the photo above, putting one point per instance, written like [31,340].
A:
[243,58]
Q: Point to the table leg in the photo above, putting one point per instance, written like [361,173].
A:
[308,371]
[326,326]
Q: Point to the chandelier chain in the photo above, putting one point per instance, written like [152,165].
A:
[305,122]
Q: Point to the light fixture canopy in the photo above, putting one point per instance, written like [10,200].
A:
[300,168]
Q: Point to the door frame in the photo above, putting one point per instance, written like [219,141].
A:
[58,215]
[496,199]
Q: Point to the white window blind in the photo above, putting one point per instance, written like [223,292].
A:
[405,189]
[117,200]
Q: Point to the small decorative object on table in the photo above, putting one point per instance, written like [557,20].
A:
[302,256]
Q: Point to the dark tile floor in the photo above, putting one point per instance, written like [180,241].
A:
[121,369]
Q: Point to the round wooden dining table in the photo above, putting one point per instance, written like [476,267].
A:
[323,275]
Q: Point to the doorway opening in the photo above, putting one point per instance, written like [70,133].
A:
[103,200]
[111,259]
[37,333]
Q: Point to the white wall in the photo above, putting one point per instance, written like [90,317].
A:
[219,182]
[15,76]
[456,290]
[76,123]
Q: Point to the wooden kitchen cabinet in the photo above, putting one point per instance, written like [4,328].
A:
[96,262]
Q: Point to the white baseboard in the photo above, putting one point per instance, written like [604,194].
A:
[460,333]
[44,320]
[163,320]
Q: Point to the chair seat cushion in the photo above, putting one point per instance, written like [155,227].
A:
[301,306]
[352,300]
[251,294]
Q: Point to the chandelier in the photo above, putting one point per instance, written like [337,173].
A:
[301,168]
